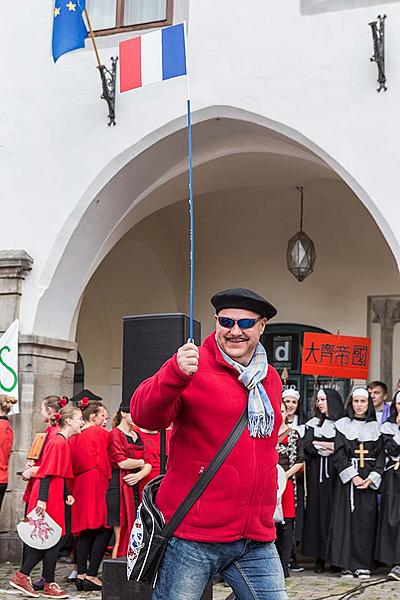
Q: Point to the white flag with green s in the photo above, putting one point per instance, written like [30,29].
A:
[9,363]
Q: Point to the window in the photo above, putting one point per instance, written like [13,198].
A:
[112,16]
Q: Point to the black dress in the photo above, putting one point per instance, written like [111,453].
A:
[322,478]
[388,537]
[298,424]
[355,512]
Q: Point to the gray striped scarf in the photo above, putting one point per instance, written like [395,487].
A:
[260,413]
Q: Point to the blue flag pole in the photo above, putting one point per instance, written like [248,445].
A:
[191,201]
[191,211]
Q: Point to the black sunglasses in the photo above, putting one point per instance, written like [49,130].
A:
[229,323]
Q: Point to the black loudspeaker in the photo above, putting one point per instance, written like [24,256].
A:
[117,587]
[148,341]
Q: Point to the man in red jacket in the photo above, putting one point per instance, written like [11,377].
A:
[203,391]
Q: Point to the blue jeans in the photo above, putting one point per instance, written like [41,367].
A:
[252,569]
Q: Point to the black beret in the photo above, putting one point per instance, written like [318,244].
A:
[85,394]
[243,298]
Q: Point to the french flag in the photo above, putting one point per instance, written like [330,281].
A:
[153,57]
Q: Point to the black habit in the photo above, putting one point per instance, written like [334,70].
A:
[355,512]
[388,538]
[321,477]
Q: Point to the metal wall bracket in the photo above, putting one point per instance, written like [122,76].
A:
[108,82]
[378,36]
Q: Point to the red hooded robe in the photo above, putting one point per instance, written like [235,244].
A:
[51,432]
[56,462]
[120,449]
[92,472]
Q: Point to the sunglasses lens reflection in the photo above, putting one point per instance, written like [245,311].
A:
[229,323]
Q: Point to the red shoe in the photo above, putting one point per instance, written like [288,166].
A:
[53,590]
[23,583]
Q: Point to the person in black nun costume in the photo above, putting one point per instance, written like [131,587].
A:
[321,474]
[294,413]
[359,459]
[388,537]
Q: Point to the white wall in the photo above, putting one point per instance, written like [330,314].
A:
[309,75]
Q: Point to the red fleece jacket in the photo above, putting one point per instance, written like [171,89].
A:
[240,500]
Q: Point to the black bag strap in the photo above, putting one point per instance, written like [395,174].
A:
[206,477]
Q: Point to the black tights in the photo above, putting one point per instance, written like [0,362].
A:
[33,556]
[284,543]
[92,544]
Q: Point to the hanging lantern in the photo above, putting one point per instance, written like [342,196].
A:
[300,255]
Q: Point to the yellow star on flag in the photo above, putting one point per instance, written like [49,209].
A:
[57,11]
[71,6]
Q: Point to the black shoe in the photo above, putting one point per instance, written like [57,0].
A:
[333,569]
[79,584]
[295,567]
[89,586]
[319,566]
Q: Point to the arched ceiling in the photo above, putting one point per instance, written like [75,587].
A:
[228,153]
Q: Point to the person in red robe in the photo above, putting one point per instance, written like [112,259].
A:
[126,453]
[6,441]
[50,407]
[92,473]
[50,493]
[151,441]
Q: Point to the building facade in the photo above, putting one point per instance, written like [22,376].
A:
[95,218]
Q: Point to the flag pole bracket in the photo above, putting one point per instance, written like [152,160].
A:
[378,36]
[108,82]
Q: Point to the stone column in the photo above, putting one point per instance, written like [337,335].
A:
[14,266]
[385,310]
[46,366]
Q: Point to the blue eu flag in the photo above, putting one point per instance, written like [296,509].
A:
[69,30]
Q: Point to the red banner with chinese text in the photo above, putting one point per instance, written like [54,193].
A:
[335,355]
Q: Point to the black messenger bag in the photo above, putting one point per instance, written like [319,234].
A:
[149,536]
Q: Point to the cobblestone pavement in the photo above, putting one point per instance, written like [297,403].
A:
[301,586]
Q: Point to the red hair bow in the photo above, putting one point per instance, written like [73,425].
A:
[62,401]
[57,417]
[84,403]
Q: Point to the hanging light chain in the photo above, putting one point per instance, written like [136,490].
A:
[300,188]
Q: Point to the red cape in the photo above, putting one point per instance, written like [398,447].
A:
[118,450]
[6,442]
[56,462]
[51,432]
[92,471]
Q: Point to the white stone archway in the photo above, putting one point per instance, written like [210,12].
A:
[118,198]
